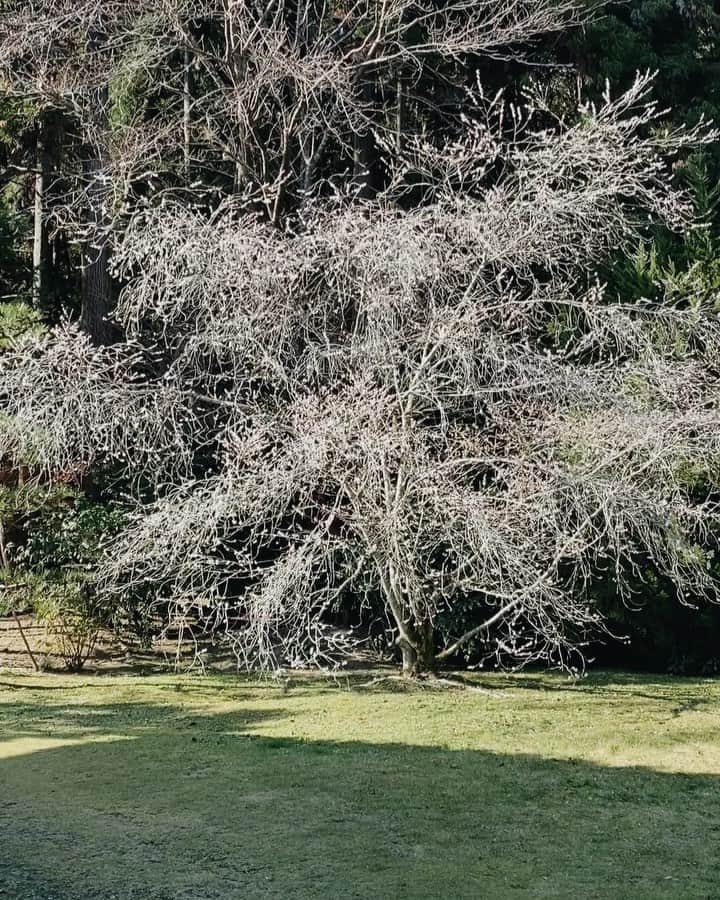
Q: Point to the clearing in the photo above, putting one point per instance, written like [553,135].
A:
[221,788]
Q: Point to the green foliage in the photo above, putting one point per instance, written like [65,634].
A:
[466,612]
[73,618]
[17,117]
[61,536]
[69,531]
[14,257]
[126,94]
[680,39]
[129,86]
[660,633]
[18,319]
[681,269]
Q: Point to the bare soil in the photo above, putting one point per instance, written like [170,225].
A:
[114,656]
[110,654]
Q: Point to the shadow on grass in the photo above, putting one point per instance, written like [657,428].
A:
[127,719]
[681,693]
[154,802]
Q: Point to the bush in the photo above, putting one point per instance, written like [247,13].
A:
[69,531]
[73,621]
[59,535]
[659,633]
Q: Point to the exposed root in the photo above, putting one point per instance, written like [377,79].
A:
[424,682]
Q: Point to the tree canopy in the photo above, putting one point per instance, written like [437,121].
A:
[343,339]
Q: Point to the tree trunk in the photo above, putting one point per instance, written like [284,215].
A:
[400,113]
[236,69]
[96,281]
[418,654]
[365,153]
[97,301]
[97,289]
[416,639]
[41,255]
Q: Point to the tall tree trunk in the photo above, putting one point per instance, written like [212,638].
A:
[400,112]
[365,154]
[41,249]
[96,282]
[236,68]
[97,300]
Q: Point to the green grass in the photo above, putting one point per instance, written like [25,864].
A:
[157,788]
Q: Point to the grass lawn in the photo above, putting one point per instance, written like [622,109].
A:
[197,789]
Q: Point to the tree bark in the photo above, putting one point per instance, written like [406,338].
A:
[364,150]
[418,653]
[40,236]
[96,281]
[400,112]
[416,639]
[97,288]
[97,300]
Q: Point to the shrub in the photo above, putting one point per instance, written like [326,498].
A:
[73,620]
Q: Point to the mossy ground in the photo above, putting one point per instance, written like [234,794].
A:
[152,788]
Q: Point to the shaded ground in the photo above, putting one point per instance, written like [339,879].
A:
[114,656]
[165,787]
[110,654]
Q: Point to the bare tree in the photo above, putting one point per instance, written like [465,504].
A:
[249,91]
[423,404]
